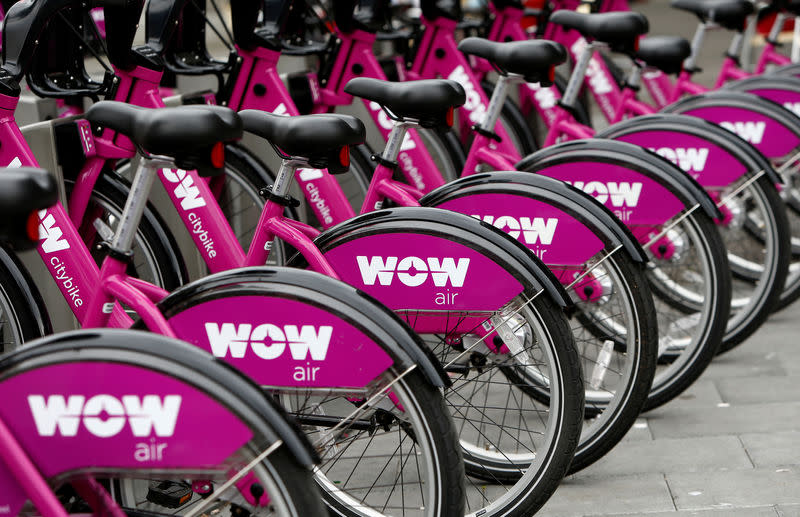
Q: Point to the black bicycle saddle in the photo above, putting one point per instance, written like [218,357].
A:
[619,30]
[664,52]
[318,138]
[534,59]
[185,133]
[428,101]
[731,14]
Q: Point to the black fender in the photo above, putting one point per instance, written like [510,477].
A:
[466,230]
[784,83]
[358,308]
[31,297]
[561,195]
[739,100]
[637,158]
[171,357]
[737,147]
[780,82]
[792,70]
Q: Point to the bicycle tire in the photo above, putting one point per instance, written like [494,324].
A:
[678,371]
[284,481]
[146,362]
[613,320]
[485,457]
[24,314]
[759,270]
[693,344]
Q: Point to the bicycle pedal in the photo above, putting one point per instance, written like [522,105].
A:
[169,494]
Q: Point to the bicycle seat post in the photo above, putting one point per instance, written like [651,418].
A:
[795,54]
[283,180]
[746,56]
[697,44]
[136,202]
[395,139]
[497,100]
[735,47]
[576,79]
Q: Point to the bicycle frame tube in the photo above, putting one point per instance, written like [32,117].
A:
[113,279]
[438,56]
[769,56]
[355,58]
[189,193]
[61,248]
[729,71]
[382,186]
[260,67]
[27,476]
[272,223]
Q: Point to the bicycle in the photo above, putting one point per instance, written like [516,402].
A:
[564,406]
[620,389]
[59,458]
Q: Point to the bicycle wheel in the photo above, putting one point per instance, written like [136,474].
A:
[156,258]
[507,437]
[790,195]
[785,91]
[613,321]
[757,239]
[386,441]
[754,224]
[689,263]
[617,348]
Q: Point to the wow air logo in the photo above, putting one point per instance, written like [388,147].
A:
[268,342]
[691,159]
[51,238]
[620,196]
[794,107]
[752,132]
[190,199]
[50,233]
[105,416]
[413,271]
[535,232]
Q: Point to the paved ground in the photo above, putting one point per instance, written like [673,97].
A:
[730,445]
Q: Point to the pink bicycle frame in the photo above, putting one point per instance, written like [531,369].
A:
[90,292]
[438,57]
[355,54]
